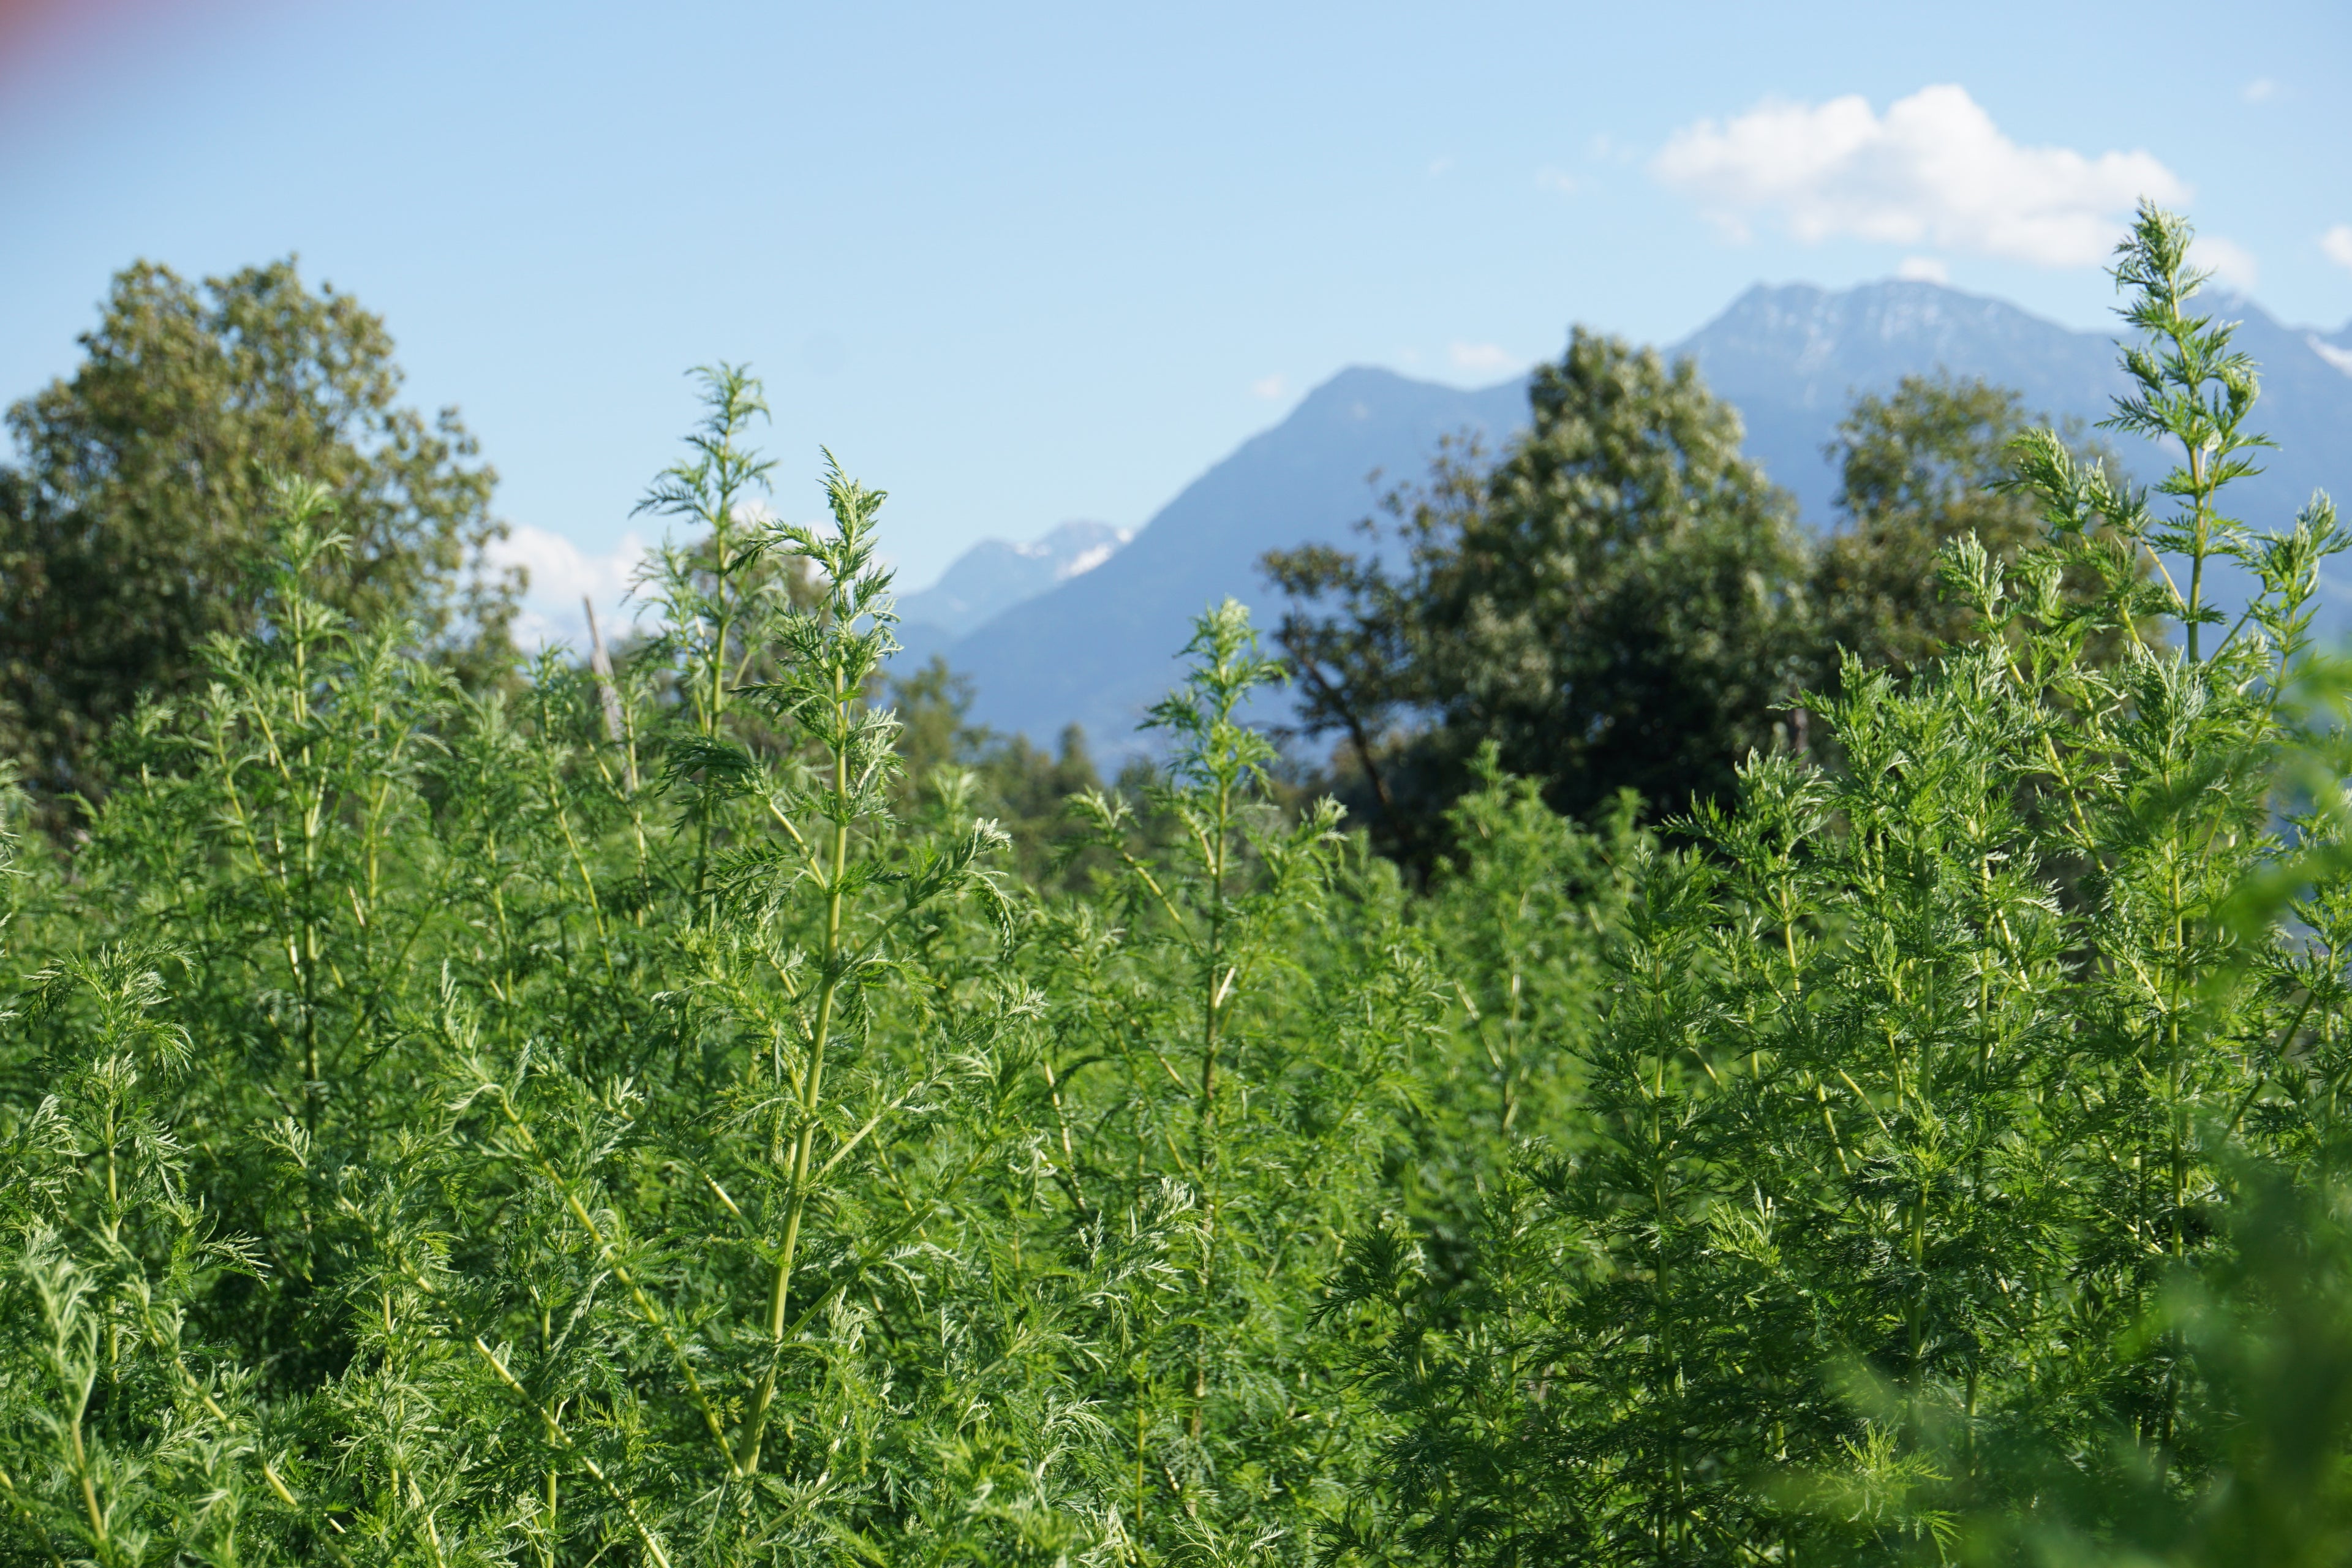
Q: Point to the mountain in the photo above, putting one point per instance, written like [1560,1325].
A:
[1793,358]
[1098,649]
[994,575]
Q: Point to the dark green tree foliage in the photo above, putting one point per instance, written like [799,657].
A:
[1668,621]
[1617,604]
[1918,468]
[132,526]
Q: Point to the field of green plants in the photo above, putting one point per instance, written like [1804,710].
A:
[627,1118]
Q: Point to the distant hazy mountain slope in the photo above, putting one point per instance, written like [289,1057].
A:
[2306,408]
[996,575]
[993,576]
[1099,649]
[1794,357]
[2335,348]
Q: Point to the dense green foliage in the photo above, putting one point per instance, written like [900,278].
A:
[636,1119]
[1621,602]
[1014,782]
[1616,604]
[134,525]
[1917,468]
[1921,1088]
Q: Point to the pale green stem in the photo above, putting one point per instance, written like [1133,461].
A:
[812,1081]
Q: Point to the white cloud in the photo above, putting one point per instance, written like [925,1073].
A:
[2336,244]
[1923,269]
[1559,180]
[1439,167]
[1270,388]
[1933,169]
[2229,262]
[2259,89]
[1482,358]
[560,575]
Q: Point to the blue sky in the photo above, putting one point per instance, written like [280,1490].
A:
[1020,264]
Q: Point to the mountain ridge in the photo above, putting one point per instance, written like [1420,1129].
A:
[1097,649]
[997,574]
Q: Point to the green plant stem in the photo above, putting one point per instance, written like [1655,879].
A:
[2202,502]
[645,1537]
[812,1081]
[1213,995]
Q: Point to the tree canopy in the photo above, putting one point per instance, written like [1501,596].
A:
[1624,602]
[133,524]
[1919,466]
[1617,604]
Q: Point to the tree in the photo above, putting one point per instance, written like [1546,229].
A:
[1926,464]
[1916,468]
[1619,603]
[133,526]
[1025,788]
